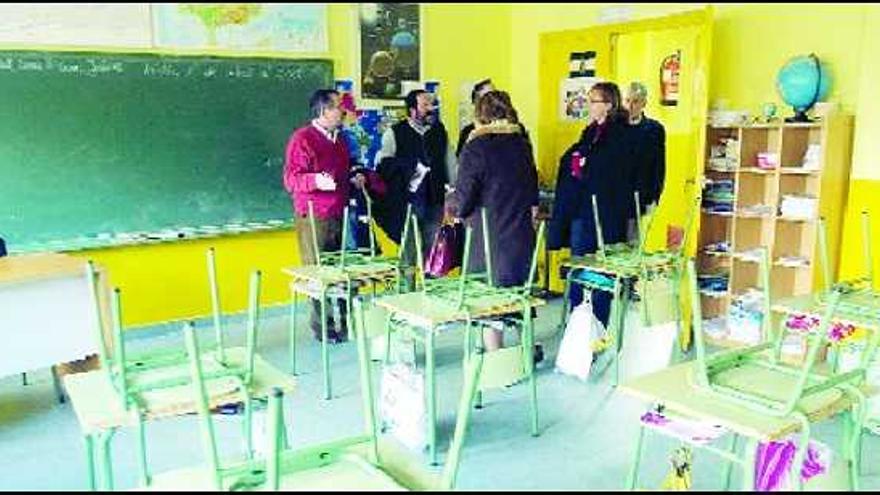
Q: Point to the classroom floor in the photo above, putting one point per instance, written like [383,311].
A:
[587,430]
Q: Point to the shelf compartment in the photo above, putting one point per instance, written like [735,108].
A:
[795,141]
[752,232]
[714,305]
[755,189]
[758,140]
[714,228]
[799,185]
[794,238]
[788,282]
[744,274]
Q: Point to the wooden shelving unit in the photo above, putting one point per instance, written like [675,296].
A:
[755,217]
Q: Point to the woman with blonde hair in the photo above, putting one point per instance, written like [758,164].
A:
[497,172]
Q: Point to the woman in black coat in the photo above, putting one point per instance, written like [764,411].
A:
[600,163]
[497,172]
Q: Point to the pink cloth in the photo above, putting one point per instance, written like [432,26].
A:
[310,153]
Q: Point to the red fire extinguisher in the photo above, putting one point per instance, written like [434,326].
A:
[669,71]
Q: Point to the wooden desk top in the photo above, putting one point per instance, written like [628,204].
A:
[99,407]
[674,388]
[41,266]
[428,311]
[329,275]
[623,260]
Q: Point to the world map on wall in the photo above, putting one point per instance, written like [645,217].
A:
[258,26]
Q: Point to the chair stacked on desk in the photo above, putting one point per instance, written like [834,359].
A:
[615,268]
[469,299]
[148,385]
[339,274]
[355,463]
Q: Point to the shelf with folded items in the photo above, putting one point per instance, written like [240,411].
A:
[802,147]
[758,141]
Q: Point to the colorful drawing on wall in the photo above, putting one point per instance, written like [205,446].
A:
[256,26]
[390,46]
[371,124]
[670,69]
[573,102]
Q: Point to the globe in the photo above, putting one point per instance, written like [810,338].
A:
[801,82]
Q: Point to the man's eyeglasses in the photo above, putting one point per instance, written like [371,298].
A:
[598,101]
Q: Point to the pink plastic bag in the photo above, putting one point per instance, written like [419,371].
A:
[446,252]
[774,464]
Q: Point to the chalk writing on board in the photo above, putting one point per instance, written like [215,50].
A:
[102,67]
[32,65]
[161,69]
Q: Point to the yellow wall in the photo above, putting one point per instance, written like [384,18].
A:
[167,282]
[467,42]
[750,44]
[863,195]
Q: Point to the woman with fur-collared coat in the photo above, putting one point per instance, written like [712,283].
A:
[497,172]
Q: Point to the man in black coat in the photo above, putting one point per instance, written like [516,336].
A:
[415,162]
[650,142]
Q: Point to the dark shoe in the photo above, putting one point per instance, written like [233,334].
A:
[331,333]
[538,353]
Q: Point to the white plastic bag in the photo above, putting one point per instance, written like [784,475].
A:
[575,354]
[402,409]
[646,349]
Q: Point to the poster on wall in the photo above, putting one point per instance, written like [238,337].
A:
[574,103]
[390,48]
[250,26]
[670,69]
[117,25]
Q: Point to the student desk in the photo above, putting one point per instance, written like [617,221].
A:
[426,315]
[100,411]
[621,265]
[46,312]
[673,388]
[321,281]
[859,307]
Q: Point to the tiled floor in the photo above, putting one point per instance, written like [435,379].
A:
[586,441]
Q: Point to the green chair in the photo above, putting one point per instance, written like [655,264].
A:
[142,379]
[757,378]
[615,268]
[362,462]
[338,274]
[442,303]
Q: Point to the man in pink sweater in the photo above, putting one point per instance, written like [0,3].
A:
[317,170]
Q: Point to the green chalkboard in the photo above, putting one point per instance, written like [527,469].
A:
[110,146]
